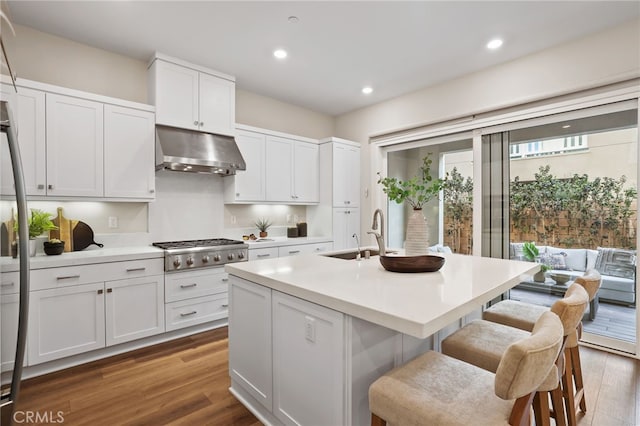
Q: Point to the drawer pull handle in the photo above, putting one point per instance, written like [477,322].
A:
[109,290]
[225,305]
[189,313]
[68,277]
[11,284]
[264,255]
[225,280]
[188,285]
[100,291]
[294,251]
[136,269]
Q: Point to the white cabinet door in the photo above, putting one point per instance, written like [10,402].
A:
[176,95]
[74,147]
[9,308]
[250,339]
[306,177]
[308,362]
[346,222]
[65,321]
[279,169]
[346,175]
[217,105]
[134,308]
[28,109]
[129,153]
[250,184]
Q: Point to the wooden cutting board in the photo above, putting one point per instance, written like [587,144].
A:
[64,231]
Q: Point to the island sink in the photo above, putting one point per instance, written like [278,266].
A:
[351,255]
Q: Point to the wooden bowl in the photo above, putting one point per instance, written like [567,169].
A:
[425,263]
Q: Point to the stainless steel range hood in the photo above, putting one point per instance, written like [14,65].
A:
[196,152]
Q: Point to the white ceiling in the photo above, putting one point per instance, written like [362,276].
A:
[335,48]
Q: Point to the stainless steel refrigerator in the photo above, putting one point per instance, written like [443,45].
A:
[19,338]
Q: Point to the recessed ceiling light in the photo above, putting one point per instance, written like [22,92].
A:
[293,19]
[566,126]
[280,53]
[367,90]
[494,44]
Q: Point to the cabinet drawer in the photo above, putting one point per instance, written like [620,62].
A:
[133,269]
[187,285]
[196,311]
[263,253]
[320,247]
[9,282]
[304,249]
[42,279]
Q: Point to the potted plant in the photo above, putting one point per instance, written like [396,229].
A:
[416,191]
[532,254]
[39,223]
[262,225]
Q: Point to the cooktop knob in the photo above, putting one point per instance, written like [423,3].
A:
[177,263]
[189,261]
[205,259]
[241,255]
[216,258]
[230,256]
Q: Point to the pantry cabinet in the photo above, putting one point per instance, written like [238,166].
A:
[28,109]
[192,97]
[346,223]
[346,175]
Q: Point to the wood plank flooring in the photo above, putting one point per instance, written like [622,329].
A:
[186,381]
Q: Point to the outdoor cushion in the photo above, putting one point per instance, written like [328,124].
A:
[592,256]
[575,259]
[616,262]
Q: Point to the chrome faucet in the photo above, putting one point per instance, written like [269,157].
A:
[358,256]
[379,236]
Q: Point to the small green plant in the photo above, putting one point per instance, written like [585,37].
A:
[39,223]
[531,253]
[262,224]
[416,191]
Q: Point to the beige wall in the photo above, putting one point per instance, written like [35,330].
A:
[606,57]
[50,59]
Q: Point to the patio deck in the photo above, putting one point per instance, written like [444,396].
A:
[615,321]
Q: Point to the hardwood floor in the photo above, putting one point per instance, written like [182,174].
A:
[186,381]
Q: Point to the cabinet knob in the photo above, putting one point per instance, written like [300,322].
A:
[195,123]
[109,290]
[40,186]
[151,191]
[201,124]
[237,194]
[50,186]
[100,291]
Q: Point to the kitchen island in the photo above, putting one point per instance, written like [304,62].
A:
[309,334]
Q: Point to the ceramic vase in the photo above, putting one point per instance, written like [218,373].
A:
[417,240]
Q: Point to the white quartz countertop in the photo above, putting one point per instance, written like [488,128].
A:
[417,304]
[284,241]
[85,257]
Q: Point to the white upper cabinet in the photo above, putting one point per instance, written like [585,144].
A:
[74,146]
[292,170]
[248,185]
[191,97]
[281,168]
[346,175]
[128,153]
[28,109]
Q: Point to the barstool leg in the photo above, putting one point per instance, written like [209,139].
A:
[577,377]
[541,409]
[377,421]
[567,389]
[558,407]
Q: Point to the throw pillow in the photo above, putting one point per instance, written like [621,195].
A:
[616,262]
[555,260]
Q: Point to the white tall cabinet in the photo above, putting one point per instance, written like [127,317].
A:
[338,213]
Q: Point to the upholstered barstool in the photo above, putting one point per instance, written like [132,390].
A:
[482,343]
[435,389]
[524,315]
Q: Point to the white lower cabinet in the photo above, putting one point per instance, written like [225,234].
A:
[304,249]
[195,297]
[9,329]
[65,321]
[308,353]
[134,308]
[346,223]
[250,339]
[288,355]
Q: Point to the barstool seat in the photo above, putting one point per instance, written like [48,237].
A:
[435,389]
